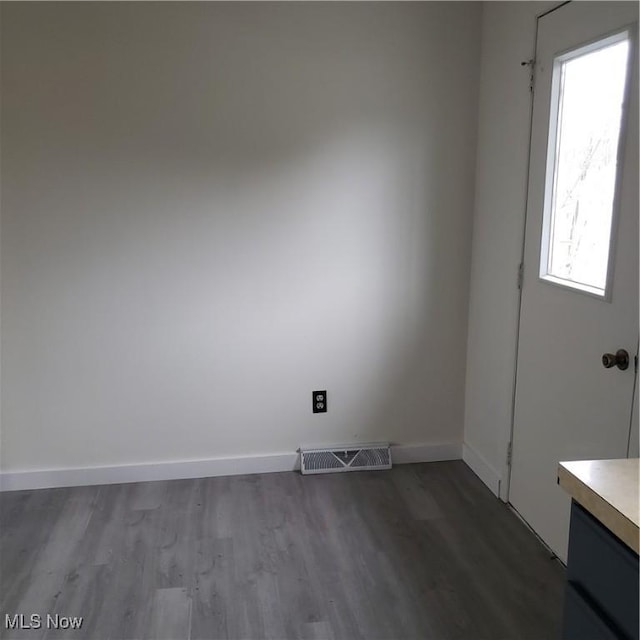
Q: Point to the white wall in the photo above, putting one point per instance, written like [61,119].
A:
[508,38]
[211,209]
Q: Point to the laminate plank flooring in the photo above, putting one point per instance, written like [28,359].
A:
[421,551]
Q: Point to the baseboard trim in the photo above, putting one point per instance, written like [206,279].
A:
[178,470]
[482,468]
[411,453]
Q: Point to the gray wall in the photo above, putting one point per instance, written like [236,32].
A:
[210,209]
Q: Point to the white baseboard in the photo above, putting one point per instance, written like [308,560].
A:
[482,468]
[178,470]
[409,453]
[49,478]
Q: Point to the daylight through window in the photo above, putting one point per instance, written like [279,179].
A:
[588,91]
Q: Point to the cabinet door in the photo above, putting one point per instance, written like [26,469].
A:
[581,622]
[605,571]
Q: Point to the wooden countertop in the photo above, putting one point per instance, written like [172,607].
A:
[608,489]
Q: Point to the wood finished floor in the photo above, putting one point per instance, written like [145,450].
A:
[422,551]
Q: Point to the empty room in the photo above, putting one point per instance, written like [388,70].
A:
[319,320]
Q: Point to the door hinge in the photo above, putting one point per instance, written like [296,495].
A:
[509,453]
[520,274]
[532,78]
[532,72]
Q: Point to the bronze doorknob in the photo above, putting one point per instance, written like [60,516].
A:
[620,359]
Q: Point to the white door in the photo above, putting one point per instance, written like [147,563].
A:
[580,286]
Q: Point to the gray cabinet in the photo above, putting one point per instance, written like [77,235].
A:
[602,583]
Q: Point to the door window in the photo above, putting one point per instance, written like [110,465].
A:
[587,95]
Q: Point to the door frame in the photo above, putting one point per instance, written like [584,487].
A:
[506,474]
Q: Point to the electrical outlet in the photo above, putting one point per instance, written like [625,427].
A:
[319,401]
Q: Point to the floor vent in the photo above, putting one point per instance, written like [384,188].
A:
[346,458]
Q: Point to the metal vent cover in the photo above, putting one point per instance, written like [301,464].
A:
[360,457]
